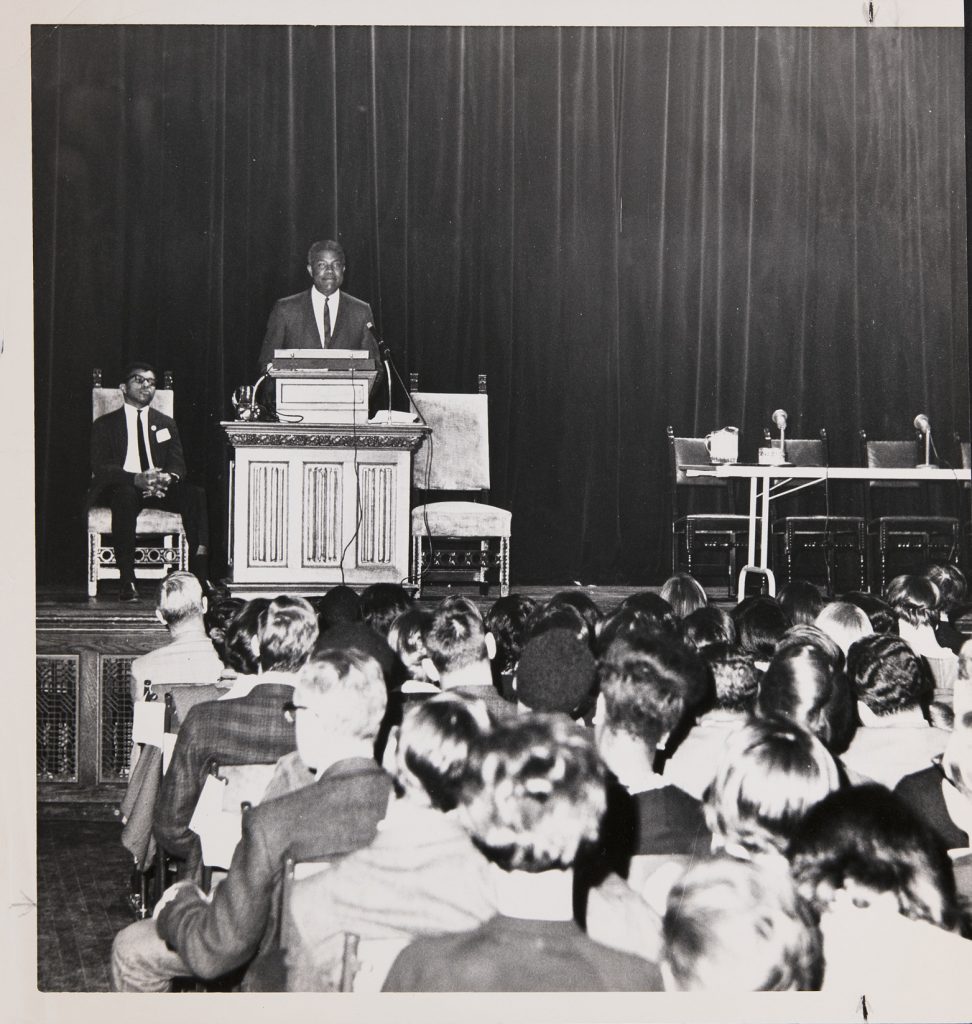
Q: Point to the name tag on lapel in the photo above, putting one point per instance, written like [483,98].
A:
[162,435]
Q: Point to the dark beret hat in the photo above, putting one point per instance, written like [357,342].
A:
[556,672]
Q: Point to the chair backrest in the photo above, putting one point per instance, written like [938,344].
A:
[456,457]
[891,455]
[183,697]
[803,451]
[105,400]
[689,451]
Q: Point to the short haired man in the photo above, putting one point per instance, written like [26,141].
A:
[894,739]
[244,726]
[337,707]
[189,658]
[137,462]
[324,316]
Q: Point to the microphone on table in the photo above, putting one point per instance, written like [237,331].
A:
[923,426]
[779,421]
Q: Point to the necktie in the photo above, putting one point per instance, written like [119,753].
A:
[327,324]
[143,459]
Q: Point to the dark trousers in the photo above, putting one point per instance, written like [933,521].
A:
[127,501]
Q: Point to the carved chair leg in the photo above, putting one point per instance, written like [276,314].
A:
[93,538]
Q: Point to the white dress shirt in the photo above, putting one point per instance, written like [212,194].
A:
[132,465]
[317,300]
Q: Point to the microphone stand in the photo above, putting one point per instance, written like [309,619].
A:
[927,464]
[783,461]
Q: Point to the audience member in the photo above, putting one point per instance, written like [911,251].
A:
[247,729]
[878,611]
[806,633]
[381,603]
[709,625]
[507,620]
[801,601]
[241,647]
[338,704]
[769,775]
[643,696]
[460,651]
[632,624]
[953,592]
[557,672]
[884,891]
[655,607]
[889,682]
[844,623]
[692,765]
[559,616]
[731,926]
[219,613]
[538,791]
[421,875]
[406,638]
[339,605]
[684,593]
[915,600]
[803,684]
[760,623]
[582,602]
[188,658]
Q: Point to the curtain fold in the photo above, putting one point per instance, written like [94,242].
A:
[623,227]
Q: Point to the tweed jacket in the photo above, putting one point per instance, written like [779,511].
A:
[249,730]
[327,820]
[109,446]
[292,325]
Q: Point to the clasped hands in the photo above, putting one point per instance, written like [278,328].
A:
[153,483]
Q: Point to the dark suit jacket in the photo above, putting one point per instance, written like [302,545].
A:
[292,325]
[109,446]
[247,730]
[326,820]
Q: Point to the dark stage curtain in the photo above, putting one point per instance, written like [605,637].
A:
[623,227]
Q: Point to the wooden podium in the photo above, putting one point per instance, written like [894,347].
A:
[307,498]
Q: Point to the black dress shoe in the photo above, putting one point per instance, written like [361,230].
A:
[128,592]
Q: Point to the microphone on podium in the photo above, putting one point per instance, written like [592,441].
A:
[779,421]
[923,426]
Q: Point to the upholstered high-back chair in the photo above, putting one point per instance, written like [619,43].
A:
[160,545]
[457,539]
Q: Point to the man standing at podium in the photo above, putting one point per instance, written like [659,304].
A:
[323,316]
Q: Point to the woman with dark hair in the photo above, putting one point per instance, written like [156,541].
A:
[953,591]
[806,685]
[915,601]
[241,646]
[801,601]
[760,622]
[884,890]
[654,606]
[684,593]
[584,603]
[507,620]
[708,625]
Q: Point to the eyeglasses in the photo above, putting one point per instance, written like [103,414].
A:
[147,381]
[290,710]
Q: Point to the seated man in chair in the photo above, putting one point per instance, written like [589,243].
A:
[137,461]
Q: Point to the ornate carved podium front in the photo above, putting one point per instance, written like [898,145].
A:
[312,505]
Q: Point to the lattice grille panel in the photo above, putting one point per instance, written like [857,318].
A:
[267,545]
[116,717]
[376,539]
[57,718]
[322,515]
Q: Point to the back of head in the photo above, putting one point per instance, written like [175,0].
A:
[537,793]
[801,601]
[219,614]
[556,672]
[180,598]
[558,616]
[582,602]
[878,611]
[654,606]
[436,742]
[241,650]
[760,623]
[844,623]
[868,841]
[648,688]
[456,636]
[885,674]
[286,634]
[684,593]
[806,633]
[381,603]
[731,926]
[340,604]
[735,678]
[406,637]
[914,599]
[953,588]
[803,685]
[709,625]
[769,775]
[507,621]
[630,624]
[345,690]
